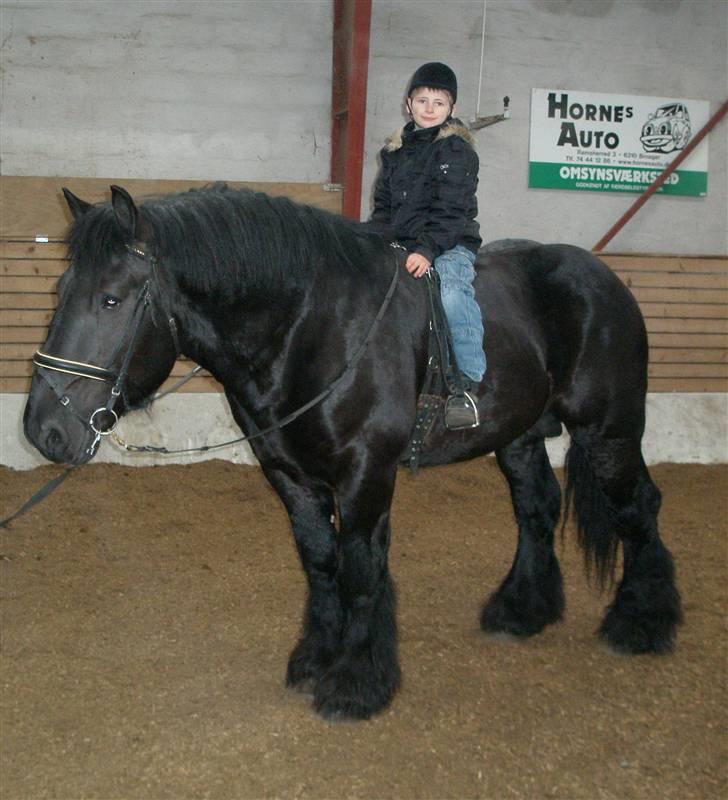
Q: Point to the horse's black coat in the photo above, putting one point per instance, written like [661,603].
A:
[273,298]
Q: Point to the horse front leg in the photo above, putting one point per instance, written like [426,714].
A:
[311,512]
[366,674]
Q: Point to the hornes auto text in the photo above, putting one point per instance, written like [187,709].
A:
[571,113]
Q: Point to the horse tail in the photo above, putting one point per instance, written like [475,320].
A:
[595,517]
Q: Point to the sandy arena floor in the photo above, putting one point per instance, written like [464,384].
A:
[148,613]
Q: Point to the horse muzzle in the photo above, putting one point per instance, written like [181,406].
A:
[61,436]
[59,444]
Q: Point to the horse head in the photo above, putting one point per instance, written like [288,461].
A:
[104,353]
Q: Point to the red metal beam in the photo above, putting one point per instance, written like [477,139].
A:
[661,178]
[352,23]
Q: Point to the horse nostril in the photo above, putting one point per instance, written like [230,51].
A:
[55,439]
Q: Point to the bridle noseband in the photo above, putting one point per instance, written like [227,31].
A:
[79,368]
[83,369]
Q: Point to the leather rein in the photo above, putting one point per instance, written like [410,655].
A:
[48,364]
[82,369]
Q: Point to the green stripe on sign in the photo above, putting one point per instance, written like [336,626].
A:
[594,178]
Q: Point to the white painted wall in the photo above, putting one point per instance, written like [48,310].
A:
[662,48]
[240,90]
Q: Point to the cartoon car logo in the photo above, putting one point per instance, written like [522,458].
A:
[666,129]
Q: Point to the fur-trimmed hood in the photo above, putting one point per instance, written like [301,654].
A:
[452,127]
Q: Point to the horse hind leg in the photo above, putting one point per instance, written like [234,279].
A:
[615,501]
[531,595]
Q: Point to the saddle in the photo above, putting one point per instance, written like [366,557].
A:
[442,378]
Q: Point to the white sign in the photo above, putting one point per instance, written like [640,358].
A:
[591,141]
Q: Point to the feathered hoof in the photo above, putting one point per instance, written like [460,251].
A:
[306,664]
[525,609]
[354,690]
[632,635]
[646,610]
[498,618]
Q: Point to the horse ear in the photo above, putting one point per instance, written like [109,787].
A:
[125,211]
[78,207]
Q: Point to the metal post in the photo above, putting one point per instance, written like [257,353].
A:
[352,22]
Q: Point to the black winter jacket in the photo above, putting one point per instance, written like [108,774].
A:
[424,196]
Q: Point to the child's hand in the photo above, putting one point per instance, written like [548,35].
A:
[417,265]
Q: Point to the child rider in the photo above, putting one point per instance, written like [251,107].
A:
[425,198]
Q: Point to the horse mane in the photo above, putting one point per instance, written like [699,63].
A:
[224,242]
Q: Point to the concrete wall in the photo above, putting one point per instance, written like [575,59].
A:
[681,428]
[167,89]
[650,47]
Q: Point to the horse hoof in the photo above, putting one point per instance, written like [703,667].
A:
[497,619]
[524,608]
[632,636]
[348,693]
[646,610]
[306,664]
[501,620]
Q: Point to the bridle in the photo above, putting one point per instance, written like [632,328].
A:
[83,369]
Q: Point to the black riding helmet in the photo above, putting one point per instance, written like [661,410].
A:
[435,75]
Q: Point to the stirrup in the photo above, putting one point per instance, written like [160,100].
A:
[461,412]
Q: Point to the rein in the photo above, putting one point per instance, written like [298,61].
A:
[82,369]
[146,448]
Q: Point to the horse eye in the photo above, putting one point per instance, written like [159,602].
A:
[110,302]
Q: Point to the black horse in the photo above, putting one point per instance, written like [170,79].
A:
[285,304]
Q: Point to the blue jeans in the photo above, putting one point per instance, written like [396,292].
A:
[456,270]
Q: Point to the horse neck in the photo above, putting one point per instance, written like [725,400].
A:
[257,341]
[243,337]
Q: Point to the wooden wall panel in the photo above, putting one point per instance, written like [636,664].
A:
[685,303]
[33,207]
